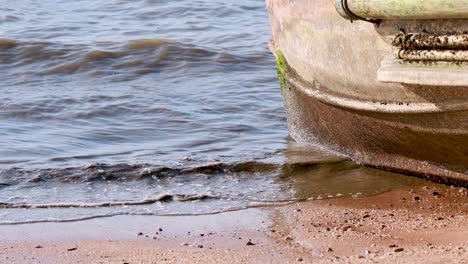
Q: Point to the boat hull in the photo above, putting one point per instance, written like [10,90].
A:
[333,97]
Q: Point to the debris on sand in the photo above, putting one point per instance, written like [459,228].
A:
[249,243]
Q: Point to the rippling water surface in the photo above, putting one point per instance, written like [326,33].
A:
[150,107]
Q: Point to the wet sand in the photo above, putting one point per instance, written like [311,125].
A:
[426,224]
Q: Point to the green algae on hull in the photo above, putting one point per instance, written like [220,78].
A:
[281,65]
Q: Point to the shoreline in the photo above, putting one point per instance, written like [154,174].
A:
[425,224]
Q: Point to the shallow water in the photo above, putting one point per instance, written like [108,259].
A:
[150,107]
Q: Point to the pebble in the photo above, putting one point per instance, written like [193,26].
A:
[249,243]
[346,227]
[330,250]
[38,246]
[72,249]
[299,259]
[399,249]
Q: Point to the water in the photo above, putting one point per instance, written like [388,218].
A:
[150,107]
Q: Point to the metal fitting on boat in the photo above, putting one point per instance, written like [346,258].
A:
[343,9]
[433,55]
[372,10]
[430,41]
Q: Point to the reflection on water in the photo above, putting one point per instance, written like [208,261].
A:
[317,174]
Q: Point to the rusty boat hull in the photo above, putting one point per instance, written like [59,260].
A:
[349,87]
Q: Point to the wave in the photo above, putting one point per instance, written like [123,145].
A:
[133,58]
[135,172]
[147,201]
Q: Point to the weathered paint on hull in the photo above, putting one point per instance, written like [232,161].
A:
[333,96]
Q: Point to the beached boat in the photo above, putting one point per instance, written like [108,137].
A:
[383,82]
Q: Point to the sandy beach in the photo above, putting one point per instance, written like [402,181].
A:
[426,224]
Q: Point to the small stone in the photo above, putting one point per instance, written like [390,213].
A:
[200,246]
[366,216]
[361,257]
[330,250]
[440,218]
[399,249]
[140,234]
[299,259]
[38,246]
[202,235]
[417,198]
[72,249]
[249,243]
[288,239]
[435,193]
[392,246]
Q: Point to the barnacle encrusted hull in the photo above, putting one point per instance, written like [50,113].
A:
[393,94]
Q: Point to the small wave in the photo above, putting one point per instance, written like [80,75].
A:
[126,172]
[132,59]
[132,172]
[161,198]
[7,43]
[149,43]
